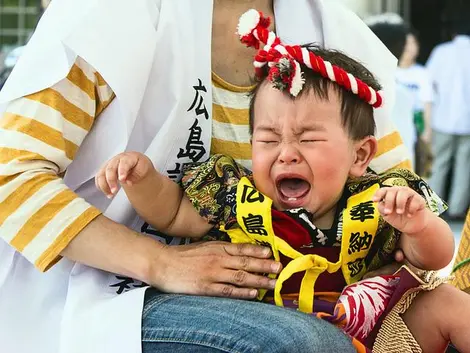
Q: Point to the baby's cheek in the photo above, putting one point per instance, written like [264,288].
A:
[258,158]
[328,167]
[332,171]
[258,166]
[261,176]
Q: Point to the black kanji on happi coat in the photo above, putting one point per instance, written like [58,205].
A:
[194,146]
[125,284]
[254,224]
[356,266]
[174,173]
[199,100]
[359,242]
[363,211]
[147,229]
[250,195]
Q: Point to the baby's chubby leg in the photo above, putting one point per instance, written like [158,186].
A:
[439,316]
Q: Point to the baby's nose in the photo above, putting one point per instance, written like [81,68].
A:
[289,154]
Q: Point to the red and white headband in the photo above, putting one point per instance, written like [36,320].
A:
[283,60]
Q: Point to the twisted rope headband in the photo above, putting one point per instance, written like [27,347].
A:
[283,60]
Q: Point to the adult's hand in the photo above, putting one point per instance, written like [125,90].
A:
[217,269]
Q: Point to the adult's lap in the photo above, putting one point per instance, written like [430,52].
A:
[179,323]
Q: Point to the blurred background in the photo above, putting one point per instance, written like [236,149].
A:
[432,19]
[434,72]
[18,19]
[434,123]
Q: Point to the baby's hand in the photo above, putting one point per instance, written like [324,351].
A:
[127,167]
[402,208]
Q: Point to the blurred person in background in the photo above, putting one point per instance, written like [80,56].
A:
[416,79]
[449,67]
[390,29]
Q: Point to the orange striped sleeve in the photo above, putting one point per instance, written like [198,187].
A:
[40,135]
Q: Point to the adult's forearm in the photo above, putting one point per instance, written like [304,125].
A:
[112,247]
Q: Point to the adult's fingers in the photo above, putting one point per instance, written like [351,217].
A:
[229,291]
[250,250]
[252,264]
[210,269]
[245,279]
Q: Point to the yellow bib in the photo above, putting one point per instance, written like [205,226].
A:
[360,223]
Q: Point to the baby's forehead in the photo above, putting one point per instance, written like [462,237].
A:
[295,124]
[303,112]
[311,98]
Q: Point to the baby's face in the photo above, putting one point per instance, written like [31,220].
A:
[302,154]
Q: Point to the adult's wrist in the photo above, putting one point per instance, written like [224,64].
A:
[112,247]
[152,262]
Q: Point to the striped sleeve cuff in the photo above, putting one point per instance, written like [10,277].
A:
[52,254]
[41,216]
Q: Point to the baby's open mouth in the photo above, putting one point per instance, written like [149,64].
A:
[292,191]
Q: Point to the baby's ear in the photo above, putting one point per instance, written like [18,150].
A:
[364,151]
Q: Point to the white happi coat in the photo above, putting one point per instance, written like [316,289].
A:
[156,56]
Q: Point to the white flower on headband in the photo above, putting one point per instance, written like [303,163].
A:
[286,75]
[248,22]
[297,81]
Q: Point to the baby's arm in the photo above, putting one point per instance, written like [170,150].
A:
[427,241]
[157,199]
